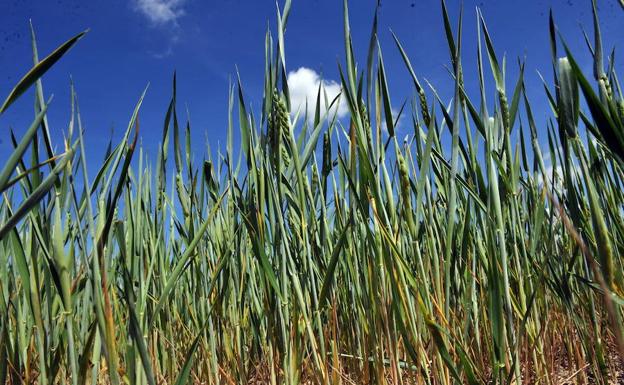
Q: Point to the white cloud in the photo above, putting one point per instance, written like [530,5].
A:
[160,11]
[303,85]
[397,124]
[554,174]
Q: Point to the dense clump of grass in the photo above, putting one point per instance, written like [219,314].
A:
[322,251]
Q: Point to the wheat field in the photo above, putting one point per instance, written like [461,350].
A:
[322,250]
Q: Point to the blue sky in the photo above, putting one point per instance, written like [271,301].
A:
[135,42]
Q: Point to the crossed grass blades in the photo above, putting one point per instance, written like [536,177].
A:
[324,251]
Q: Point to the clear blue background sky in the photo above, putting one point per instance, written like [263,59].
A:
[134,42]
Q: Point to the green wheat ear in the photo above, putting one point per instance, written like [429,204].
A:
[279,130]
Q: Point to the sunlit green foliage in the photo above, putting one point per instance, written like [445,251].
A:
[326,251]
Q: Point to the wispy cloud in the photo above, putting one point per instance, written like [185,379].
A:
[554,174]
[398,124]
[303,85]
[164,53]
[164,15]
[161,11]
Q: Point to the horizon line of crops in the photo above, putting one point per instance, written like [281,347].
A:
[322,251]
